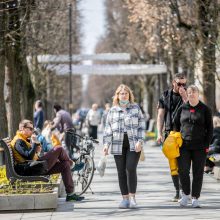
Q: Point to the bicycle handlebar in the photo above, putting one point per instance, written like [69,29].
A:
[89,138]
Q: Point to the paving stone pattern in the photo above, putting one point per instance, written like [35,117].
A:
[154,193]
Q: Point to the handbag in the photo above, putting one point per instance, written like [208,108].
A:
[172,144]
[102,165]
[142,156]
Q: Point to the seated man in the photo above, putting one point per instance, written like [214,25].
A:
[56,160]
[214,148]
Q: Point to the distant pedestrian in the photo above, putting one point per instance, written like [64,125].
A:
[124,134]
[105,113]
[38,115]
[93,119]
[194,121]
[64,123]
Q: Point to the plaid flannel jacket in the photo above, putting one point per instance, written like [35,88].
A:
[118,121]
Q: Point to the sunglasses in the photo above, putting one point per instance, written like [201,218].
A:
[180,84]
[31,129]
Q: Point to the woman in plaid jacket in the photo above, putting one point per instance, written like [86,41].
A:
[124,135]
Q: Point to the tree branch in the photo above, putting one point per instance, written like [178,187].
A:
[175,10]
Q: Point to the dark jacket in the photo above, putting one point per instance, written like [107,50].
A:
[63,121]
[39,119]
[166,102]
[195,125]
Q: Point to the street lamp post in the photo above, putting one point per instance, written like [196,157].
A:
[70,59]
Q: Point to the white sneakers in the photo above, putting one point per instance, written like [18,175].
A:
[133,203]
[185,200]
[126,203]
[195,203]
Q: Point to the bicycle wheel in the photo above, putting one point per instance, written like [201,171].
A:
[83,178]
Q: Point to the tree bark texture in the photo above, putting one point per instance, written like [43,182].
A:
[207,17]
[3,117]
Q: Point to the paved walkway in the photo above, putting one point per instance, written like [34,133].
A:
[153,196]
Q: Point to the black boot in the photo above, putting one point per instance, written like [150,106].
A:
[176,184]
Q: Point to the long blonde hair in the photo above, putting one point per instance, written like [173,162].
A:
[127,89]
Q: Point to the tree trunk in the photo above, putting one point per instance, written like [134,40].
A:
[27,94]
[173,60]
[207,17]
[13,70]
[3,117]
[13,83]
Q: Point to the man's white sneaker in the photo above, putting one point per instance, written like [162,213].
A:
[124,204]
[184,200]
[195,203]
[133,203]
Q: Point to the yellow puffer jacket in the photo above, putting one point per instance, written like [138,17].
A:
[17,157]
[172,144]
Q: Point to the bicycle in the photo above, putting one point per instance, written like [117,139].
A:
[84,147]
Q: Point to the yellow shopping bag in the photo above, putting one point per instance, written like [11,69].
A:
[172,144]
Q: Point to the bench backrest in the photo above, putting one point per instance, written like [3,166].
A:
[9,163]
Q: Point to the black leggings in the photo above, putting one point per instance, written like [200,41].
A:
[197,158]
[126,166]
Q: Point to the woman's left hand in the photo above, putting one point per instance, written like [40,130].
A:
[138,147]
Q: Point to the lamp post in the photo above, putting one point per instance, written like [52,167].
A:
[70,58]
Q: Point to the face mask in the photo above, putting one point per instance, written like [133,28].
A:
[123,102]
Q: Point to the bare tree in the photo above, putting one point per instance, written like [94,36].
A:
[192,27]
[3,118]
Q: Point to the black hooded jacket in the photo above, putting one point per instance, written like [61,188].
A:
[195,124]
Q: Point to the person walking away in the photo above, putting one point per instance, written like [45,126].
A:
[124,133]
[194,121]
[93,119]
[63,122]
[168,105]
[105,113]
[38,115]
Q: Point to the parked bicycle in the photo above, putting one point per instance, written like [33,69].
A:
[83,153]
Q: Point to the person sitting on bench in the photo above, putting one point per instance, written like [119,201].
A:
[26,148]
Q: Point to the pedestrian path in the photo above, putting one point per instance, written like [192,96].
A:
[154,193]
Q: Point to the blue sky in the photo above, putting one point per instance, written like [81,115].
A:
[93,23]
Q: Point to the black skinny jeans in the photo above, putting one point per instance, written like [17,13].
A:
[197,158]
[126,166]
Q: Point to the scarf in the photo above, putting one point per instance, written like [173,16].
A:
[17,157]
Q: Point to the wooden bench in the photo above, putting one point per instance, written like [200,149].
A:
[9,163]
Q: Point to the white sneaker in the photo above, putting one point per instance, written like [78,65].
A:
[133,203]
[195,203]
[184,200]
[124,204]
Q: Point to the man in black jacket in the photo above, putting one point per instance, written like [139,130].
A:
[168,105]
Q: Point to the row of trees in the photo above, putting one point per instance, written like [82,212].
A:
[182,34]
[29,28]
